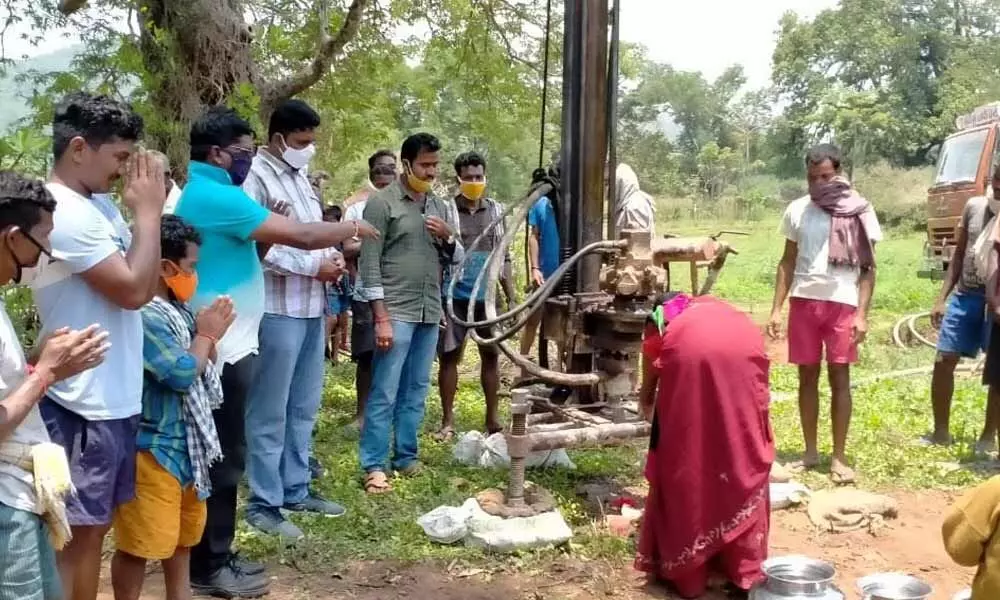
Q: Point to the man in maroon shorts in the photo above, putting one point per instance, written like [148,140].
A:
[828,268]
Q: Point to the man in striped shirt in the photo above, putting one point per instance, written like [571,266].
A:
[285,397]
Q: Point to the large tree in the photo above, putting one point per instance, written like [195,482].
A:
[894,72]
[354,59]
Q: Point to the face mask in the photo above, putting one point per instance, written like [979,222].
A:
[473,190]
[182,284]
[21,266]
[240,168]
[416,184]
[298,158]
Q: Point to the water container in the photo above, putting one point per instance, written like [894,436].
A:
[797,578]
[893,586]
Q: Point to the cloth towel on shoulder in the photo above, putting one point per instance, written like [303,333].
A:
[850,245]
[49,467]
[204,396]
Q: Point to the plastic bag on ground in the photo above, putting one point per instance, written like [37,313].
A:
[474,449]
[450,524]
[787,494]
[506,535]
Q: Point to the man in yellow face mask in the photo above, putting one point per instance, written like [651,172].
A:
[474,213]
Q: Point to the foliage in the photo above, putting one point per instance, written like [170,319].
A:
[885,77]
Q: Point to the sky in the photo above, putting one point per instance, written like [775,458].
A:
[702,35]
[711,35]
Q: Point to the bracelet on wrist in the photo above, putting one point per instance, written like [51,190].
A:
[207,337]
[45,378]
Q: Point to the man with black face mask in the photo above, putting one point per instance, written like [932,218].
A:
[231,225]
[31,519]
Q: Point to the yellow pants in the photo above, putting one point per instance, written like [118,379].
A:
[162,517]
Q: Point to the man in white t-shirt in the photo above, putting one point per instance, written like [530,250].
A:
[28,563]
[95,276]
[828,269]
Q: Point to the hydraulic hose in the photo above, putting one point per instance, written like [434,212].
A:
[490,275]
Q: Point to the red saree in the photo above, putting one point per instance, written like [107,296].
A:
[708,507]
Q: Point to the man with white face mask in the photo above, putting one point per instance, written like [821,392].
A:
[963,320]
[285,397]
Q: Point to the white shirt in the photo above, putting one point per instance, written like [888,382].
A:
[82,238]
[172,198]
[815,278]
[356,212]
[290,284]
[17,486]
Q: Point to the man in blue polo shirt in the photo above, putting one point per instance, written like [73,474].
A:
[231,225]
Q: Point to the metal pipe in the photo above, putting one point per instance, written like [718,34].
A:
[520,408]
[614,59]
[594,435]
[593,135]
[572,141]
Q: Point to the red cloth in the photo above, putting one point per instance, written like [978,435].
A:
[709,470]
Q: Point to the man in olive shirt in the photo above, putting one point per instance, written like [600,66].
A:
[401,275]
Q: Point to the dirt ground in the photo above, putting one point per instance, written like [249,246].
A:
[911,543]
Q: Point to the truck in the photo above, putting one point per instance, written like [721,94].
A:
[964,169]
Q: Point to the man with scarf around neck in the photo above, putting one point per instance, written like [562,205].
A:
[964,323]
[32,512]
[828,269]
[177,439]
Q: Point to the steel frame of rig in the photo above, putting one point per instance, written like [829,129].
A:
[595,305]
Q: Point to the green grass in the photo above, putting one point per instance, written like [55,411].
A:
[889,417]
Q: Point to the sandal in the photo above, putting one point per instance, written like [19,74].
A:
[376,483]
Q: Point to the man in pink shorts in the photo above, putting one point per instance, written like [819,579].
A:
[828,268]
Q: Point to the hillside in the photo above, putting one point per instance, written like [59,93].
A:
[13,93]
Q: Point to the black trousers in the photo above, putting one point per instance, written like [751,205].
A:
[215,548]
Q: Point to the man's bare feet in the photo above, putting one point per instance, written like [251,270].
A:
[808,462]
[937,439]
[985,447]
[840,473]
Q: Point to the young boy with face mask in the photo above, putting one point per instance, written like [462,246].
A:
[177,440]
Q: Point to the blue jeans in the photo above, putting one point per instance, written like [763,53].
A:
[400,379]
[281,409]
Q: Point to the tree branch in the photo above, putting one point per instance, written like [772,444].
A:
[68,7]
[329,48]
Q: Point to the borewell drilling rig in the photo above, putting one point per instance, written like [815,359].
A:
[596,303]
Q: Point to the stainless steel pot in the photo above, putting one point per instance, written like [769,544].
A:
[797,578]
[893,586]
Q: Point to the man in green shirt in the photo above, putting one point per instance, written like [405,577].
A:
[401,274]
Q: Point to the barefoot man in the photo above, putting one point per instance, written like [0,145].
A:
[828,268]
[963,322]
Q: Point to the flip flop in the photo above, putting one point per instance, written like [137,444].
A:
[376,483]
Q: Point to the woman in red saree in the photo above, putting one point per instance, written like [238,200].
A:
[706,386]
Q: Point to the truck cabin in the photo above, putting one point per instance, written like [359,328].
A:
[967,159]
